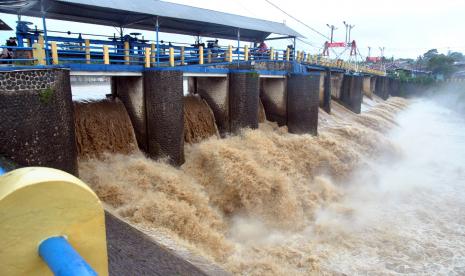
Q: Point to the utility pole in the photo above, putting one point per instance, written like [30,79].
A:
[350,29]
[381,49]
[332,27]
[347,29]
[369,51]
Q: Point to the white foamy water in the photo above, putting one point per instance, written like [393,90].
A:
[407,216]
[90,91]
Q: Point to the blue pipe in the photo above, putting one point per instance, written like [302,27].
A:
[47,58]
[62,259]
[157,29]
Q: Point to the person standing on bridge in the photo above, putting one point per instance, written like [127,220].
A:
[8,53]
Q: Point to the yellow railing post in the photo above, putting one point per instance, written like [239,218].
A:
[182,55]
[87,49]
[271,53]
[288,53]
[106,56]
[230,53]
[40,40]
[171,56]
[38,53]
[147,57]
[297,57]
[152,52]
[54,50]
[209,56]
[126,53]
[200,54]
[246,53]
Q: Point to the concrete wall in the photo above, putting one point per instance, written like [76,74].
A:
[244,94]
[381,88]
[37,119]
[131,92]
[215,91]
[366,87]
[336,85]
[274,98]
[351,93]
[326,105]
[165,115]
[303,103]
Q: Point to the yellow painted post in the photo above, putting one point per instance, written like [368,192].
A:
[126,53]
[309,58]
[200,54]
[87,43]
[246,53]
[182,55]
[271,53]
[230,53]
[106,56]
[152,52]
[297,57]
[171,56]
[302,58]
[288,53]
[147,57]
[54,49]
[40,40]
[38,53]
[209,56]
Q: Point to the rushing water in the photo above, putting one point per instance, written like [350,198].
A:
[353,201]
[407,216]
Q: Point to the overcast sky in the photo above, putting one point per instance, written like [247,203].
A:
[406,28]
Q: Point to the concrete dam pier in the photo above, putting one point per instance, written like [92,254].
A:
[39,122]
[154,102]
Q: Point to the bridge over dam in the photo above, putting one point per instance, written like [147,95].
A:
[162,97]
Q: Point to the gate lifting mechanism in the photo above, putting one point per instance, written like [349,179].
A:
[352,45]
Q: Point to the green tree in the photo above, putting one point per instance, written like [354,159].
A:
[441,65]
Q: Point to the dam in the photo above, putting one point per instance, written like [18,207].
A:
[186,160]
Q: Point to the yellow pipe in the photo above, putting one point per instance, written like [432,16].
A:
[230,53]
[171,56]
[200,54]
[126,52]
[182,55]
[54,53]
[106,57]
[152,52]
[87,43]
[147,57]
[246,53]
[271,53]
[209,56]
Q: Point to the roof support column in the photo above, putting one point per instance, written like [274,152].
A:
[42,10]
[238,46]
[293,53]
[157,29]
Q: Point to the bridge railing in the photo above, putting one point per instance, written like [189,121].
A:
[60,50]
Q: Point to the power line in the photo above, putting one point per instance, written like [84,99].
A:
[296,19]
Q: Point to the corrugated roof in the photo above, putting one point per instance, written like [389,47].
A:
[173,18]
[4,26]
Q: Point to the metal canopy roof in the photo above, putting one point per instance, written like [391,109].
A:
[4,26]
[141,14]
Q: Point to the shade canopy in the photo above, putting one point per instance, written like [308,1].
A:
[4,26]
[142,14]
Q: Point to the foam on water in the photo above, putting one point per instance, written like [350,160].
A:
[406,216]
[354,200]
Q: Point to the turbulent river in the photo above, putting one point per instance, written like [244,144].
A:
[382,193]
[406,216]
